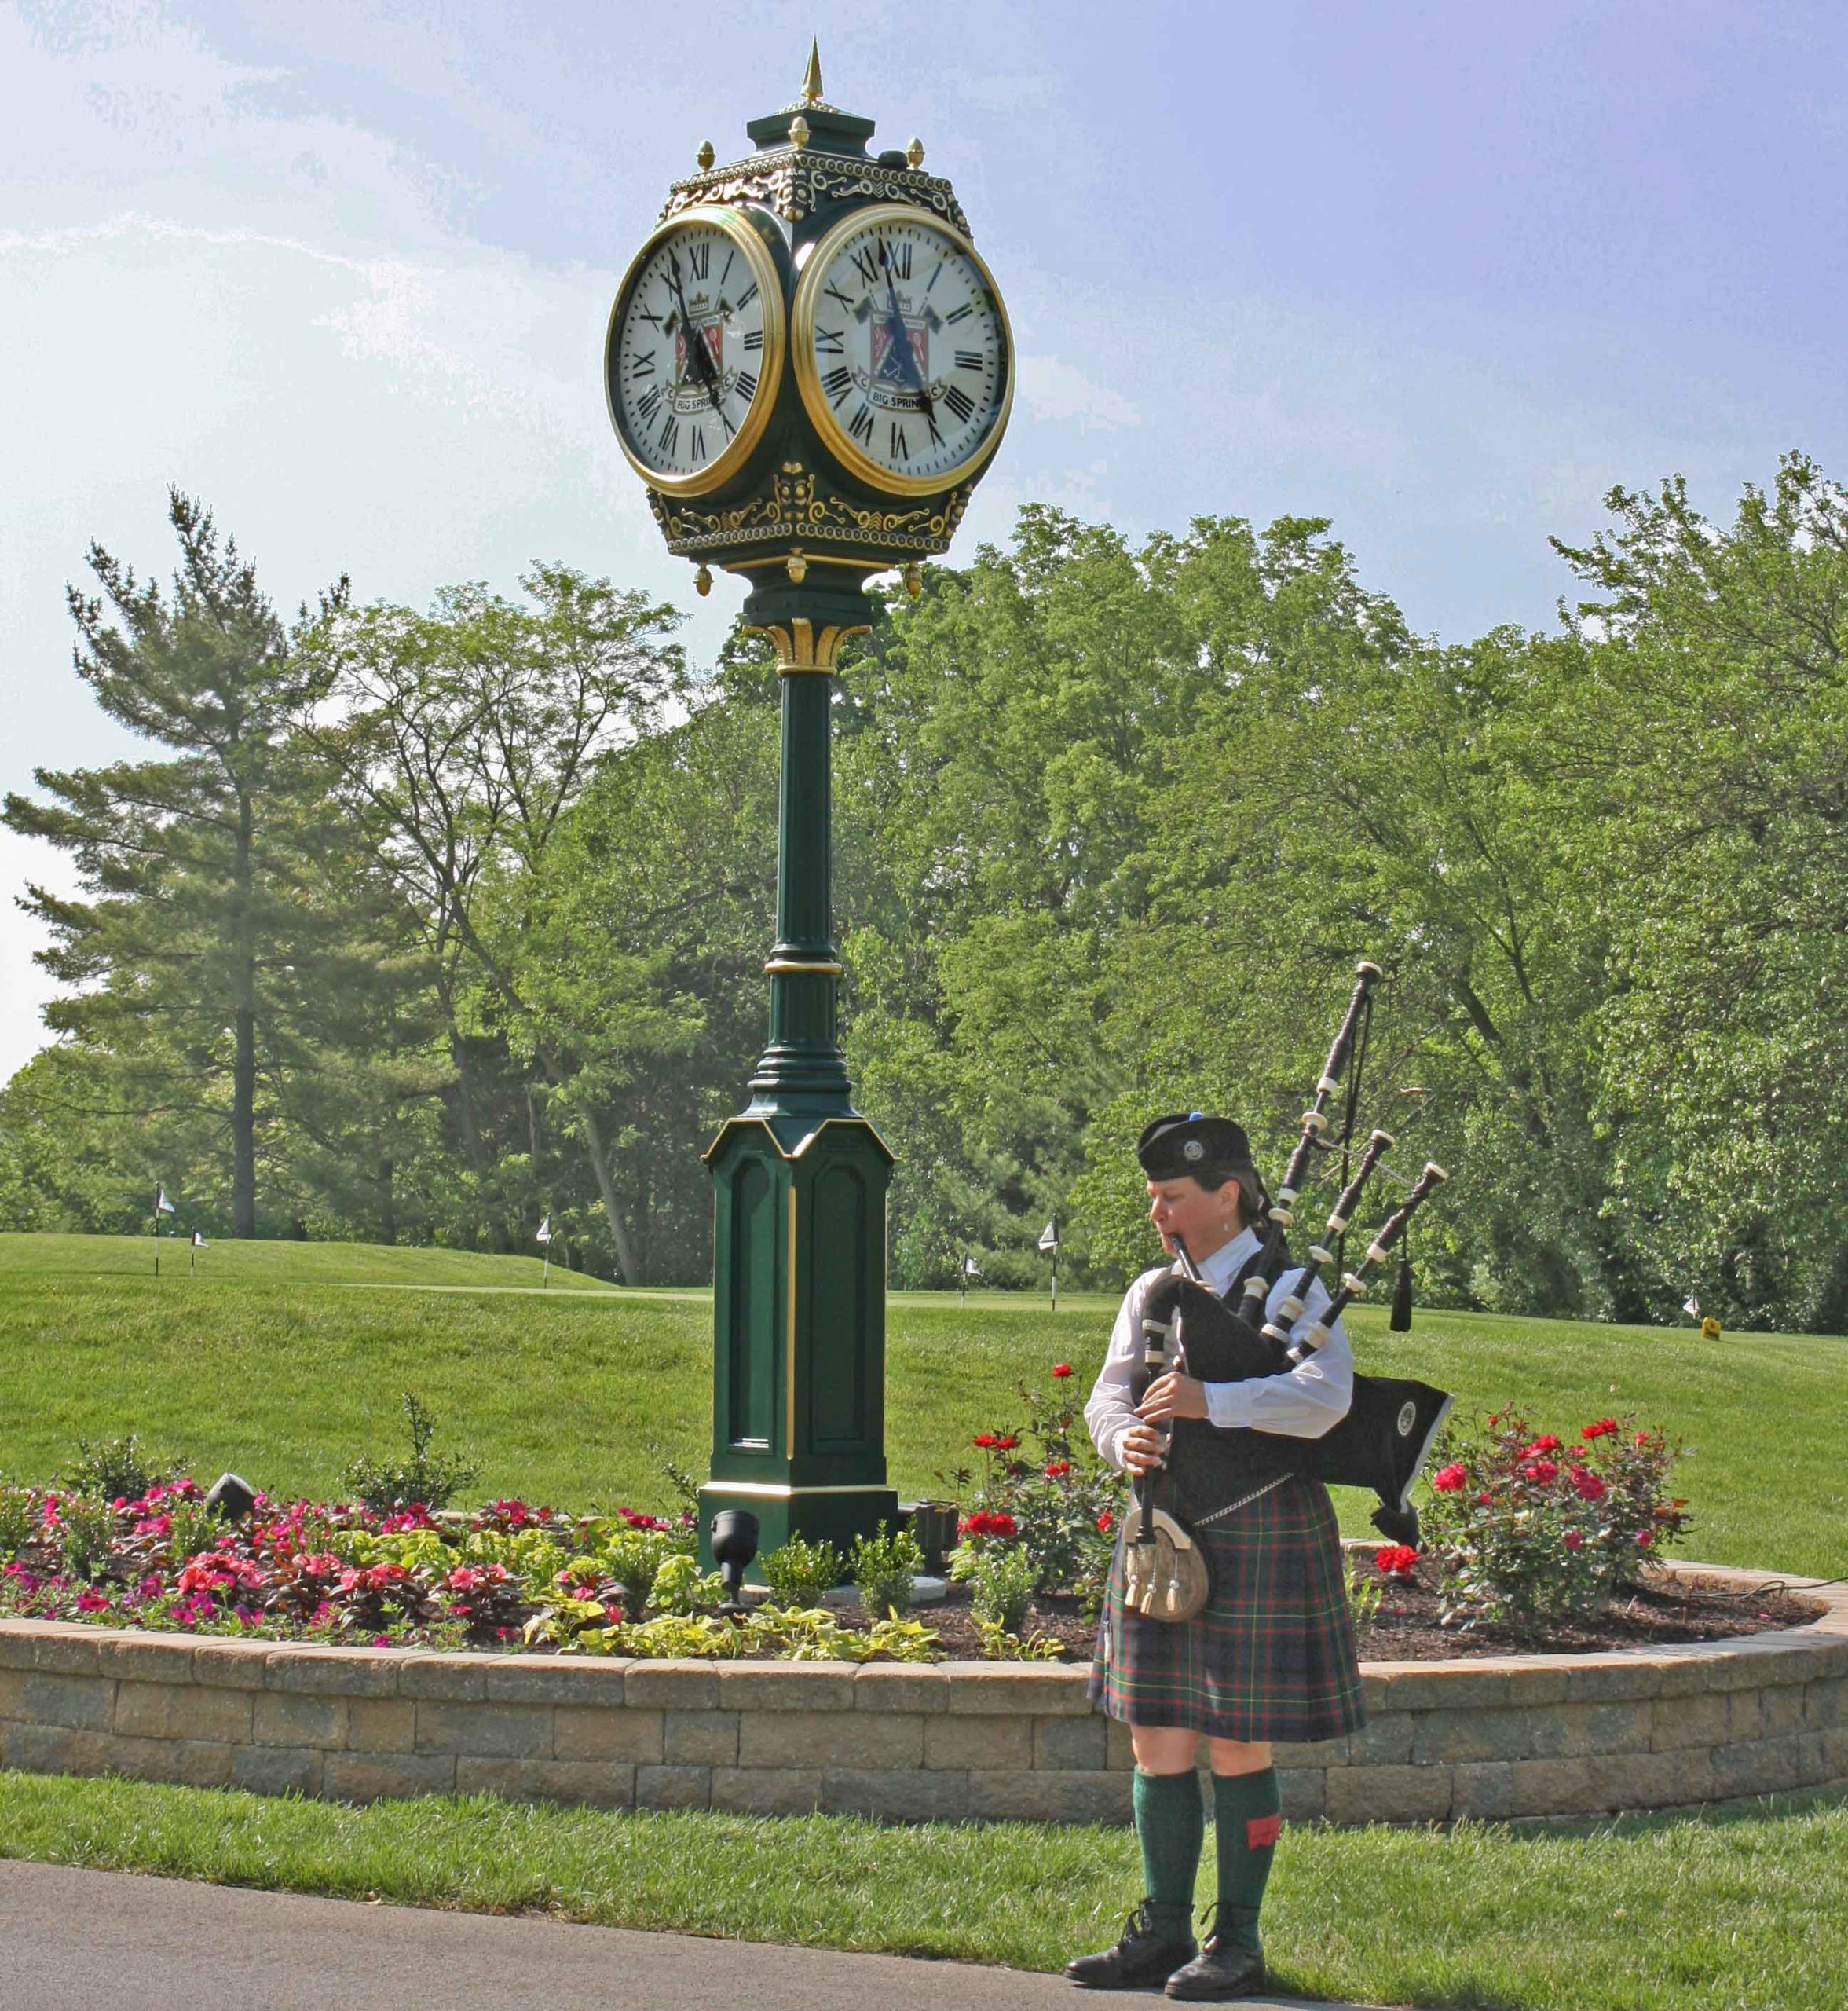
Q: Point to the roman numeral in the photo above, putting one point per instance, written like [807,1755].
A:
[648,404]
[835,293]
[898,261]
[837,383]
[699,445]
[866,265]
[968,359]
[669,433]
[730,258]
[831,342]
[748,295]
[754,338]
[646,315]
[962,314]
[700,258]
[746,386]
[959,402]
[937,275]
[860,424]
[900,447]
[643,366]
[730,429]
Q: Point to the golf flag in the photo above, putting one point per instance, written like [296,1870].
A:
[198,1240]
[162,1205]
[1049,1235]
[970,1268]
[544,1232]
[1691,1305]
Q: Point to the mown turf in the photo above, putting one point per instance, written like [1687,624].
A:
[282,1360]
[1727,1912]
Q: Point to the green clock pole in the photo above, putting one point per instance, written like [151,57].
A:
[798,1276]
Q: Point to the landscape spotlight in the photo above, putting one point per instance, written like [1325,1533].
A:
[233,1497]
[734,1543]
[933,1524]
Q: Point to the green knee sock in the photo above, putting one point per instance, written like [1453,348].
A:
[1245,1819]
[1170,1825]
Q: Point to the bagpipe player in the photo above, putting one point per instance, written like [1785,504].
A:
[1271,1656]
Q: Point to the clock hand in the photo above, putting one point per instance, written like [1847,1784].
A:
[895,322]
[695,337]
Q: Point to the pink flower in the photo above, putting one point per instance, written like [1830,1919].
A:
[1451,1479]
[90,1601]
[1574,1538]
[1643,1539]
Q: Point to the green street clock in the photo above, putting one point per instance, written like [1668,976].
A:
[809,366]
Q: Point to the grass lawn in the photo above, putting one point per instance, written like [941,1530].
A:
[284,1360]
[1729,1911]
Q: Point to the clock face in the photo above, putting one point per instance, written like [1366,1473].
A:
[903,350]
[695,350]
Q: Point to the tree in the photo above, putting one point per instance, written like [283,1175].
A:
[189,864]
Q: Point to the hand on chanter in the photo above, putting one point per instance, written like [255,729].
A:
[1143,1449]
[1173,1395]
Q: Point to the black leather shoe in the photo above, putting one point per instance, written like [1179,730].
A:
[1142,1960]
[1222,1968]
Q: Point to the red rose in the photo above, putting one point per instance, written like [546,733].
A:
[1006,1442]
[985,1440]
[1602,1428]
[1106,1522]
[1643,1538]
[1451,1479]
[1587,1485]
[1056,1468]
[1397,1560]
[1484,1499]
[1547,1444]
[1574,1538]
[1541,1472]
[1062,1368]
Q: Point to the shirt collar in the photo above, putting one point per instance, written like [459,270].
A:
[1220,1268]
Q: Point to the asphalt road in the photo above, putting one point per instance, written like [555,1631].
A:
[99,1941]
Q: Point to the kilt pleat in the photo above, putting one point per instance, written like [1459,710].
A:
[1271,1654]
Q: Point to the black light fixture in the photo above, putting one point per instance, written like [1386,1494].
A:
[734,1543]
[232,1496]
[933,1524]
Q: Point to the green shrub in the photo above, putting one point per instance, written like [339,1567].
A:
[432,1478]
[85,1529]
[1001,1579]
[680,1587]
[116,1469]
[20,1520]
[883,1569]
[799,1573]
[633,1558]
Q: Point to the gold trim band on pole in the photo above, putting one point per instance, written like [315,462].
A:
[776,1490]
[800,646]
[790,966]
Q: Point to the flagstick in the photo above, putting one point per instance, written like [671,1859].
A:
[1055,1278]
[157,1242]
[545,1276]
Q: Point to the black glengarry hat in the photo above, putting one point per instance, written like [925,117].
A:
[1212,1149]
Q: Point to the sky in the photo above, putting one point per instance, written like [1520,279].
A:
[1442,271]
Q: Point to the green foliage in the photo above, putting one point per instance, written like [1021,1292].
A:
[999,1644]
[1365,1593]
[433,1479]
[680,1587]
[19,1521]
[883,1568]
[633,1558]
[117,1469]
[85,1529]
[798,1572]
[1001,1580]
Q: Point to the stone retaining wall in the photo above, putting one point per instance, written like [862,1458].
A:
[1520,1737]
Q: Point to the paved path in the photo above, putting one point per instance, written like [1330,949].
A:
[97,1940]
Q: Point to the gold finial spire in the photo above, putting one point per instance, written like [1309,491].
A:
[812,83]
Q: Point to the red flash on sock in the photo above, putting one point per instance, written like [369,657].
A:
[1262,1831]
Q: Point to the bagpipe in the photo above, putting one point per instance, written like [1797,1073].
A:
[1388,1432]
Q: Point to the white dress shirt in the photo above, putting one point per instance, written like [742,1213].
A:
[1312,1399]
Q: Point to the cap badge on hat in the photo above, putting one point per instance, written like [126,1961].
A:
[1191,1149]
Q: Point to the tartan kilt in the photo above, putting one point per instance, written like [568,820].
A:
[1271,1654]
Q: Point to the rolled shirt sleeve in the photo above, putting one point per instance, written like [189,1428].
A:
[1311,1398]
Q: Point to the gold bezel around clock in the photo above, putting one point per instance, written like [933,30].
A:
[834,437]
[770,291]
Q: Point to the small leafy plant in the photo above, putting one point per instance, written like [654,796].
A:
[431,1480]
[85,1529]
[1001,1579]
[116,1469]
[883,1567]
[798,1572]
[19,1515]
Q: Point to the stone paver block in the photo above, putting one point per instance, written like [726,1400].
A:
[1834,1746]
[996,1744]
[1385,1741]
[1749,1665]
[77,1703]
[1538,1681]
[54,1749]
[568,1783]
[1119,1750]
[277,1769]
[65,1649]
[1386,1794]
[766,1790]
[1483,1789]
[673,1787]
[1783,1707]
[485,1731]
[1302,1795]
[1450,1737]
[1556,1787]
[387,1776]
[1764,1766]
[1700,1721]
[287,1717]
[791,1686]
[898,1794]
[672,1686]
[1319,1753]
[1447,1686]
[1067,1745]
[1745,1715]
[554,1679]
[442,1679]
[231,1665]
[1621,1728]
[186,1763]
[876,1739]
[12,1691]
[1046,1796]
[335,1672]
[1682,1675]
[133,1657]
[982,1687]
[165,1710]
[381,1724]
[18,1640]
[1825,1704]
[900,1686]
[1651,1780]
[700,1738]
[580,1732]
[1611,1679]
